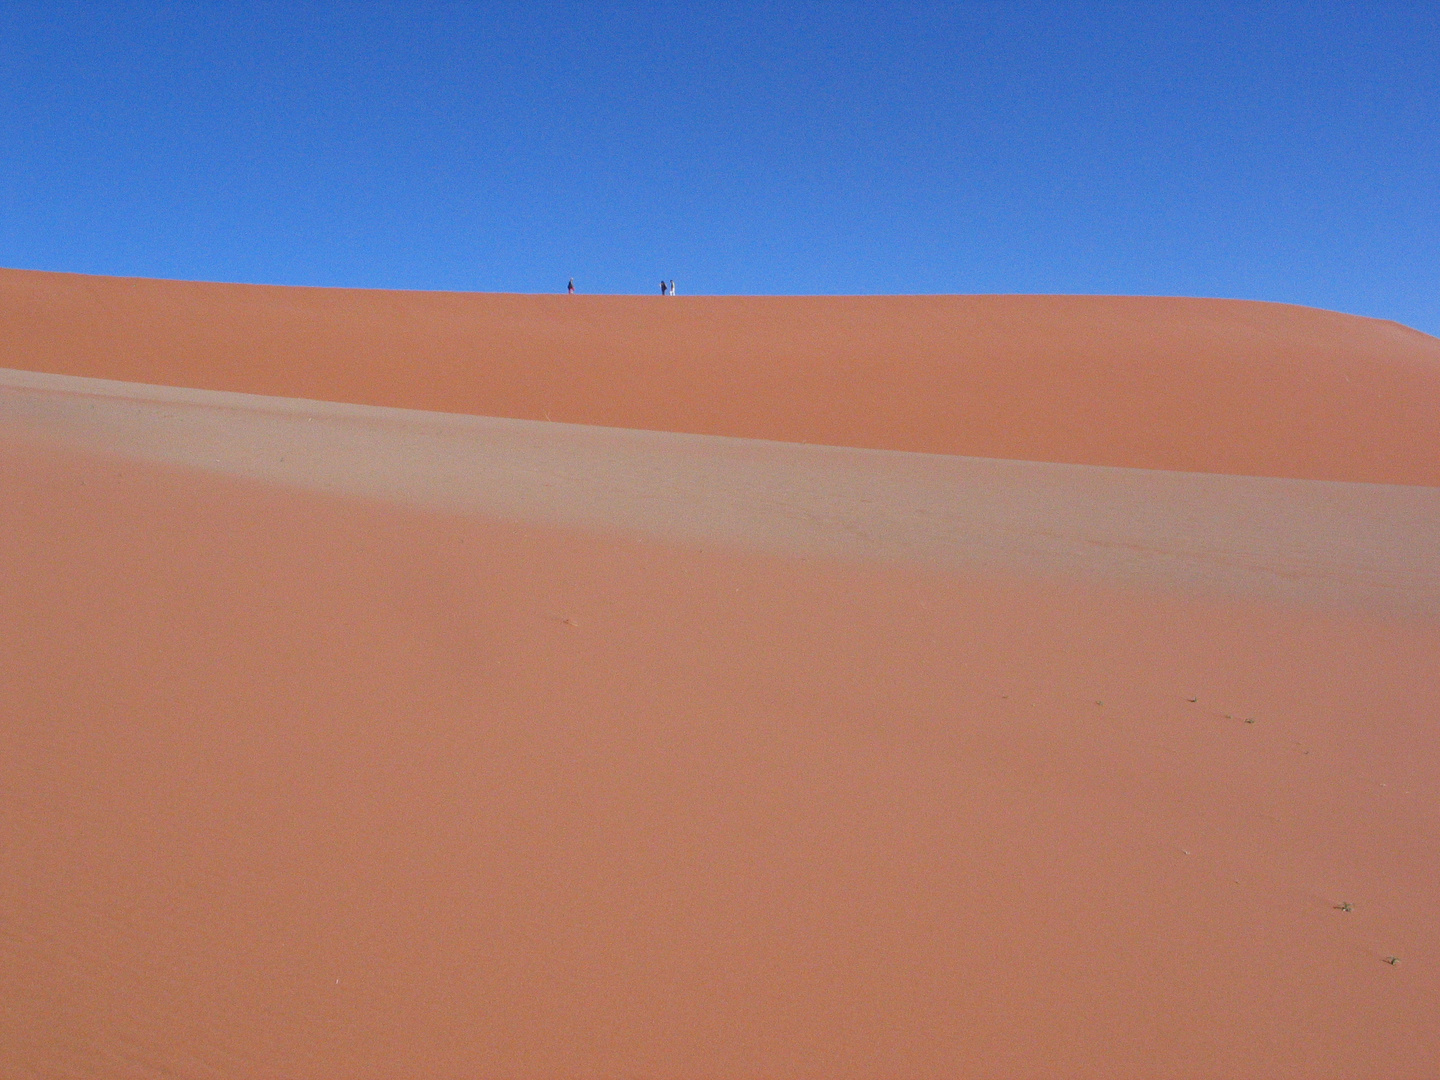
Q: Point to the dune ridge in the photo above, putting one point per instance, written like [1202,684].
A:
[1360,546]
[1217,386]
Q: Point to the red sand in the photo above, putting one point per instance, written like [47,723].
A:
[1202,385]
[298,784]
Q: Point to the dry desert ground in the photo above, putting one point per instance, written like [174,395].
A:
[468,685]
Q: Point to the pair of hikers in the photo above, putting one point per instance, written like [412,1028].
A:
[666,287]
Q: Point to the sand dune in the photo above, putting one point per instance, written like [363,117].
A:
[358,733]
[1365,547]
[1199,385]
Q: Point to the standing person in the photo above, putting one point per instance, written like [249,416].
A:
[663,287]
[672,286]
[572,287]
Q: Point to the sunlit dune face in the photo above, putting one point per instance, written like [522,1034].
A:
[347,740]
[1198,385]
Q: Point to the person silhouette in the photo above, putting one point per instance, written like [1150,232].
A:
[572,287]
[663,287]
[672,286]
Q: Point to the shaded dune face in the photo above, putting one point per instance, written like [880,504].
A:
[1197,385]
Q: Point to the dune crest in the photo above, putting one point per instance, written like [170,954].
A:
[1216,386]
[1363,547]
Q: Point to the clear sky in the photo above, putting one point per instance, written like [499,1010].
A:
[1270,152]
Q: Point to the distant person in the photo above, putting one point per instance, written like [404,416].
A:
[672,286]
[572,287]
[663,287]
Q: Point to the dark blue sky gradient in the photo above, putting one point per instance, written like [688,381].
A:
[1268,152]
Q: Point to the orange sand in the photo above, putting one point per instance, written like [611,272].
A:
[317,773]
[1202,385]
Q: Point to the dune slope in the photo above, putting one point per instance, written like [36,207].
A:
[1365,547]
[299,785]
[345,740]
[1199,385]
[441,685]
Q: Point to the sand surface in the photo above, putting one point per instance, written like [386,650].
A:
[347,734]
[1199,385]
[1364,547]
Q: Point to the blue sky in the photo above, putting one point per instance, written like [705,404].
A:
[1267,152]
